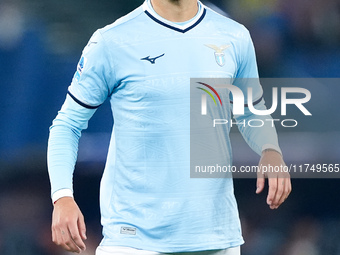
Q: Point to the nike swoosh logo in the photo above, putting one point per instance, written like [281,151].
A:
[152,60]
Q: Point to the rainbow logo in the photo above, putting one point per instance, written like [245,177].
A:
[209,93]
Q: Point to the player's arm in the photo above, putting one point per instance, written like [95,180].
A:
[68,226]
[262,140]
[91,85]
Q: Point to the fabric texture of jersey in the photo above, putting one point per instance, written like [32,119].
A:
[143,64]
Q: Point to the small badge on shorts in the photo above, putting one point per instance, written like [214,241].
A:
[128,231]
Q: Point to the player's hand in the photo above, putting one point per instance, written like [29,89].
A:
[68,226]
[279,182]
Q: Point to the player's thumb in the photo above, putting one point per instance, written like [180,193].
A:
[260,183]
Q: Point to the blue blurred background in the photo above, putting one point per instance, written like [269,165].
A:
[40,45]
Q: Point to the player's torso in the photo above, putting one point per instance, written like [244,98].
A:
[151,108]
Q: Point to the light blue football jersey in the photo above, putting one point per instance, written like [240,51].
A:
[143,64]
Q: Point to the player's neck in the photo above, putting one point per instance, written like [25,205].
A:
[175,10]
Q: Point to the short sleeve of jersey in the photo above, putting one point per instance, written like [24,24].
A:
[247,73]
[93,81]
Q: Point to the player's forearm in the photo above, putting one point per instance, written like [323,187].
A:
[63,146]
[259,137]
[62,156]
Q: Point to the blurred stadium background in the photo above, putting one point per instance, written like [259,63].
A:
[40,45]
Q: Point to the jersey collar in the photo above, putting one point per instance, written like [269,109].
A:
[179,27]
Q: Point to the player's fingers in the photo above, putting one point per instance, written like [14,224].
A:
[287,190]
[67,241]
[283,198]
[59,240]
[54,239]
[60,234]
[56,236]
[272,191]
[82,227]
[260,183]
[75,236]
[280,196]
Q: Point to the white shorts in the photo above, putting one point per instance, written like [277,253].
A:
[119,250]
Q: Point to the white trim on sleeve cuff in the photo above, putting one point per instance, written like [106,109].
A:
[271,146]
[61,193]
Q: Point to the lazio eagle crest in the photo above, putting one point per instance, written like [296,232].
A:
[219,53]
